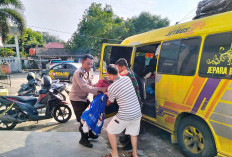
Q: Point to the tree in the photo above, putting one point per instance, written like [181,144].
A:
[10,12]
[145,22]
[30,39]
[98,24]
[6,52]
[50,38]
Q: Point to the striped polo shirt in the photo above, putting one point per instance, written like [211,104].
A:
[123,91]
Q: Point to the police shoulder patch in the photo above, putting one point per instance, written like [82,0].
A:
[81,75]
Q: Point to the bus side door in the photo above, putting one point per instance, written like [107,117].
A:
[176,69]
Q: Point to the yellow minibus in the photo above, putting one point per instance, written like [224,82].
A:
[184,73]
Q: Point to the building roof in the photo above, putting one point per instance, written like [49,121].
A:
[54,52]
[56,45]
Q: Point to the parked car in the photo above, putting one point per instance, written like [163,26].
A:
[62,71]
[52,63]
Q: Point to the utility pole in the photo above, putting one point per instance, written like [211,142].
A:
[18,53]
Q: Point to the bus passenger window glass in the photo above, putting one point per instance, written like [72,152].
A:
[179,57]
[168,57]
[216,59]
[188,56]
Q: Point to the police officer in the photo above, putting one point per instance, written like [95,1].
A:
[81,87]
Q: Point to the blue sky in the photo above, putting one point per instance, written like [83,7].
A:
[64,15]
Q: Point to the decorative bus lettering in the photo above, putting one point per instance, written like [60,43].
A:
[219,70]
[178,31]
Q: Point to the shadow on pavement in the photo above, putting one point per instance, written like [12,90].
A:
[70,126]
[47,144]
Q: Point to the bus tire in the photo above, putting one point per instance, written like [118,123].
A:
[195,138]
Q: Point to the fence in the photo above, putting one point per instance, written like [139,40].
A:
[14,63]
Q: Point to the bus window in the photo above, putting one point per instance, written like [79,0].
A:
[168,57]
[216,59]
[179,57]
[188,56]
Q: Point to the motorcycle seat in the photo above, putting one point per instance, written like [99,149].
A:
[23,98]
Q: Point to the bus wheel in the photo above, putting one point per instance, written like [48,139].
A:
[195,138]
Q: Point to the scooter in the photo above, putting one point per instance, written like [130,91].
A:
[30,88]
[18,109]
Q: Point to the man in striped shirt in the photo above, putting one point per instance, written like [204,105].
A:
[124,70]
[129,113]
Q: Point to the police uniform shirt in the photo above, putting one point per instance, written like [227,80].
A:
[82,86]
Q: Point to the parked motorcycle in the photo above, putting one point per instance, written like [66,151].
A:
[18,109]
[30,89]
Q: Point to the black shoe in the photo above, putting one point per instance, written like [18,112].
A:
[91,135]
[86,143]
[128,146]
[124,139]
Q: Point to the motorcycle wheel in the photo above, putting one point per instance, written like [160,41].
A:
[62,113]
[7,126]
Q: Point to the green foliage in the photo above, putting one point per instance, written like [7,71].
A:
[23,54]
[50,38]
[100,25]
[145,22]
[6,52]
[98,22]
[30,39]
[10,13]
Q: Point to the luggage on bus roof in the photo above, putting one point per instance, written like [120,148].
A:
[211,7]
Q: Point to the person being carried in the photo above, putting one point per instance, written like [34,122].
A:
[81,87]
[129,114]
